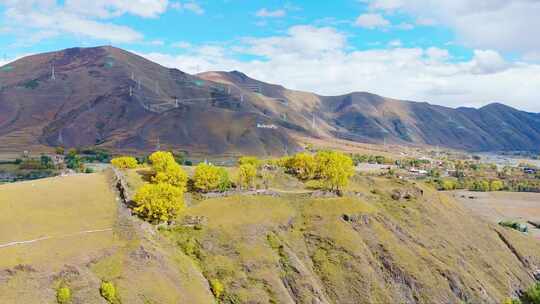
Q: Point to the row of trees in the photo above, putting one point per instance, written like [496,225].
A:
[332,170]
[482,185]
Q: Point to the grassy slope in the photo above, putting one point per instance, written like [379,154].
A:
[296,248]
[291,248]
[59,208]
[143,270]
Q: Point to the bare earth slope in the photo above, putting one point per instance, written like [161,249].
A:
[115,99]
[109,97]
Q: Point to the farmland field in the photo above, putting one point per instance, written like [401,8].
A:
[498,206]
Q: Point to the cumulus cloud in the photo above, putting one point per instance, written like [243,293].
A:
[320,60]
[47,18]
[503,25]
[371,21]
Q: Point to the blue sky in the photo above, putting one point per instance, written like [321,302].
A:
[448,52]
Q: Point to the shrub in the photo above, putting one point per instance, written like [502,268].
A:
[63,295]
[59,150]
[532,295]
[251,160]
[108,291]
[482,186]
[496,185]
[206,177]
[334,169]
[124,162]
[88,170]
[217,288]
[512,301]
[447,184]
[246,175]
[158,202]
[515,225]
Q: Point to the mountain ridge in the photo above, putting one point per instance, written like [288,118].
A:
[112,98]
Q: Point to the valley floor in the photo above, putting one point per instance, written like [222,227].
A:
[499,206]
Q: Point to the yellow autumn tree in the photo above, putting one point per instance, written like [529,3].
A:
[246,175]
[206,177]
[251,160]
[167,170]
[334,169]
[124,162]
[159,202]
[302,165]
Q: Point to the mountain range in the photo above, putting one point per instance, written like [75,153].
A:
[115,99]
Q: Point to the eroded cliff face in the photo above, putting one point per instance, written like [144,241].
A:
[364,248]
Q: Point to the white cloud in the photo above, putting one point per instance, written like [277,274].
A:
[395,43]
[112,8]
[266,13]
[503,25]
[320,60]
[191,6]
[181,45]
[303,39]
[38,20]
[488,62]
[371,21]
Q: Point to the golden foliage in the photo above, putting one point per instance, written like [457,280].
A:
[206,177]
[249,160]
[302,165]
[167,170]
[124,162]
[334,169]
[159,202]
[246,175]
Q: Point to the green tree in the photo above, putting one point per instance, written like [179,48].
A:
[532,295]
[334,169]
[158,202]
[73,160]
